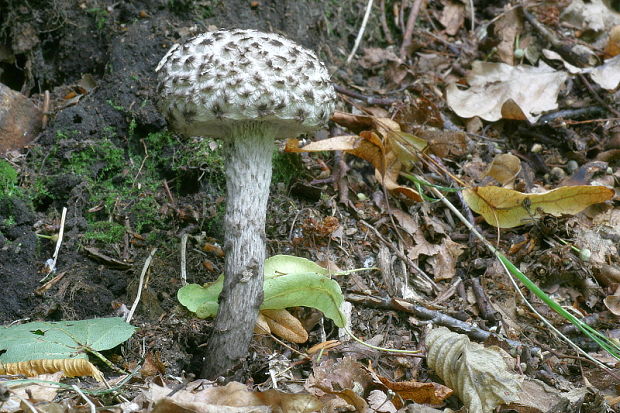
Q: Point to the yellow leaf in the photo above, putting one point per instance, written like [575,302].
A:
[506,208]
[71,368]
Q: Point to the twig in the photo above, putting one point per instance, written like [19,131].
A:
[384,25]
[413,15]
[360,33]
[486,309]
[147,263]
[369,100]
[402,256]
[473,15]
[61,233]
[596,96]
[184,259]
[90,404]
[436,317]
[46,109]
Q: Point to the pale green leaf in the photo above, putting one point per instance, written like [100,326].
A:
[62,339]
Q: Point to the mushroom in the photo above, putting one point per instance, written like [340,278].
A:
[247,88]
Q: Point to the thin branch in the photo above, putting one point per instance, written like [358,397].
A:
[413,16]
[360,34]
[147,263]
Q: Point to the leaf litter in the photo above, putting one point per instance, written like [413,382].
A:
[466,114]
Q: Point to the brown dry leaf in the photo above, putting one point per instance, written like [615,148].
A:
[35,393]
[452,17]
[71,368]
[427,393]
[443,256]
[498,90]
[325,345]
[478,375]
[504,168]
[234,397]
[612,302]
[507,28]
[333,382]
[612,48]
[506,208]
[283,324]
[20,120]
[368,146]
[290,403]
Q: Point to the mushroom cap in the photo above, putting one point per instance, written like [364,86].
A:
[219,80]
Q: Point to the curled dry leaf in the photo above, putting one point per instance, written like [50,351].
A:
[283,324]
[504,168]
[478,375]
[325,345]
[71,368]
[368,146]
[498,90]
[506,208]
[426,393]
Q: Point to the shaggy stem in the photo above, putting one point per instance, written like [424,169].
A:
[248,175]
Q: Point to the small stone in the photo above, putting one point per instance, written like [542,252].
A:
[536,148]
[558,173]
[571,166]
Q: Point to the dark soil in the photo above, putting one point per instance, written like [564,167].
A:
[55,44]
[129,185]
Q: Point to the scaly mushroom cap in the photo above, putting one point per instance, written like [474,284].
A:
[219,79]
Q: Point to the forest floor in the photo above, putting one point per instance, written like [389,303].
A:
[133,189]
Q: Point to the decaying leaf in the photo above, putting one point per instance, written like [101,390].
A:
[478,375]
[504,168]
[71,368]
[607,75]
[506,208]
[387,155]
[284,325]
[498,90]
[426,393]
[39,394]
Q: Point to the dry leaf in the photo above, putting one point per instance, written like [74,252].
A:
[612,48]
[504,168]
[505,208]
[283,324]
[289,403]
[427,393]
[478,375]
[607,75]
[525,91]
[325,345]
[507,28]
[452,16]
[71,368]
[590,14]
[35,393]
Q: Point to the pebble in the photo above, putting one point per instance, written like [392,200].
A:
[572,166]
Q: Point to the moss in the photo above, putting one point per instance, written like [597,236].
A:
[286,167]
[105,231]
[8,181]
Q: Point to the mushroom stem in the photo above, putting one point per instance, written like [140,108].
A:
[248,153]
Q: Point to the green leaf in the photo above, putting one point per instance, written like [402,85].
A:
[201,300]
[287,264]
[308,290]
[289,282]
[61,340]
